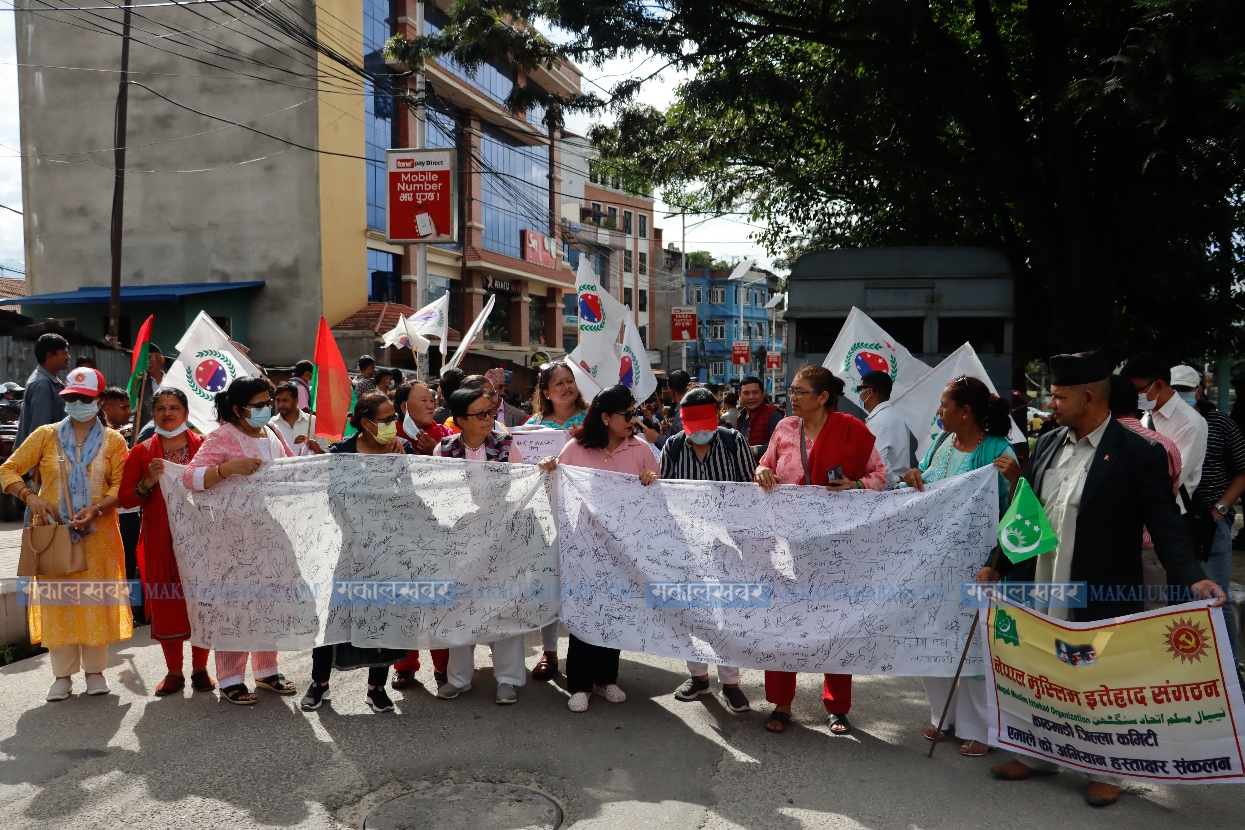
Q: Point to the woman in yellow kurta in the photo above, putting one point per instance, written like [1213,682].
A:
[77,636]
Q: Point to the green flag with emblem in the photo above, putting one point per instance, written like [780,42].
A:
[1025,532]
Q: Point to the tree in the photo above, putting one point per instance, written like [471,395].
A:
[1097,143]
[699,259]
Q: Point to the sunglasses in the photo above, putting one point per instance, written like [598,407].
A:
[627,415]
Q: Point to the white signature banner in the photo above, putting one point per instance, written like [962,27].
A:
[378,550]
[536,444]
[800,579]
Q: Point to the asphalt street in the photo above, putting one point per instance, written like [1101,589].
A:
[129,759]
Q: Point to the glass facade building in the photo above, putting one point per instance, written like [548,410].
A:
[378,115]
[514,191]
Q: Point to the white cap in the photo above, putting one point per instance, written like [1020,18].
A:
[84,381]
[1186,376]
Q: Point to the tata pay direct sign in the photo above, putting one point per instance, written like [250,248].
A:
[423,196]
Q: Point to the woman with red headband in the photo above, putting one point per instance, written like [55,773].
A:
[805,449]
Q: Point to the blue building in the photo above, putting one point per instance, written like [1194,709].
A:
[718,304]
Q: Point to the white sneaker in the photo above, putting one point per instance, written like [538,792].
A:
[96,684]
[61,688]
[578,702]
[611,693]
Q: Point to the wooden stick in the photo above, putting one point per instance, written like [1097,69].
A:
[955,681]
[138,413]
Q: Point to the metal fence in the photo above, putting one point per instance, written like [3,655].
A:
[17,361]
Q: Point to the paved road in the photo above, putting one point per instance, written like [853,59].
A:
[128,759]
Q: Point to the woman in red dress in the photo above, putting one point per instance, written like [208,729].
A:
[162,584]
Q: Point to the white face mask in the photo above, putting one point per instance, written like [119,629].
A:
[410,427]
[1144,403]
[702,436]
[1189,397]
[172,433]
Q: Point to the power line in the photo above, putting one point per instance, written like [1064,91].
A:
[15,210]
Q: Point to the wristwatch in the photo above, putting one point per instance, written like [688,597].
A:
[1223,509]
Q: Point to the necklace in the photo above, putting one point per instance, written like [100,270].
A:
[469,447]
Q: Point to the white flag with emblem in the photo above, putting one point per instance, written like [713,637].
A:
[207,362]
[863,347]
[433,320]
[918,405]
[476,328]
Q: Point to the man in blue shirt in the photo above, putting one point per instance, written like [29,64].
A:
[42,403]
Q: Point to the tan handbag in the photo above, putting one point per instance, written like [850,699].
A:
[47,550]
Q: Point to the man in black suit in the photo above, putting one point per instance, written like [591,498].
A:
[1100,483]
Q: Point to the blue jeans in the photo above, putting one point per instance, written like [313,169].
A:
[1219,570]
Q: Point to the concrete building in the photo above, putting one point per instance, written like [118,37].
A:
[266,236]
[720,305]
[931,300]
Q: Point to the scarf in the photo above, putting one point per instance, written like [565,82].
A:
[758,424]
[496,446]
[79,485]
[843,441]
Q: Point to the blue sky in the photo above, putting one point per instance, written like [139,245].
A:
[725,238]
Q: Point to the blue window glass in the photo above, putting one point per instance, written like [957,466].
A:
[384,280]
[378,117]
[515,191]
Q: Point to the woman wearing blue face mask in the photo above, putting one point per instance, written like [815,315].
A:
[94,457]
[239,446]
[162,583]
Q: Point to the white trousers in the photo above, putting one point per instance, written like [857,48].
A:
[66,660]
[968,712]
[549,637]
[508,666]
[728,675]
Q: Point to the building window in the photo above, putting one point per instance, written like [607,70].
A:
[909,331]
[715,330]
[985,334]
[513,191]
[438,287]
[717,368]
[594,174]
[378,121]
[626,228]
[536,320]
[717,294]
[627,297]
[642,220]
[747,331]
[759,328]
[643,263]
[612,216]
[494,79]
[627,262]
[643,298]
[497,326]
[695,294]
[643,329]
[384,281]
[816,335]
[736,295]
[596,213]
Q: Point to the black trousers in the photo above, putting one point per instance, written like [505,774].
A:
[322,665]
[131,524]
[588,665]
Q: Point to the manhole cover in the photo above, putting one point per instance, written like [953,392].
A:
[470,806]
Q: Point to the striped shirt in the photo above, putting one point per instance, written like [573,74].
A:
[1225,459]
[719,463]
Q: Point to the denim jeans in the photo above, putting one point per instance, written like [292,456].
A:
[1219,570]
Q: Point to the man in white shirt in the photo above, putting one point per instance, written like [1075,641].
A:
[887,427]
[296,427]
[1166,414]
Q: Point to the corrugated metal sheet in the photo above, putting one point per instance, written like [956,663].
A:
[17,361]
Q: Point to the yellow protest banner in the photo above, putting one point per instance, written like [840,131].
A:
[1152,696]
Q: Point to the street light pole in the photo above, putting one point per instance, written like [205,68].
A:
[118,186]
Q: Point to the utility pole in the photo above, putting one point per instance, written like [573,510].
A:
[421,251]
[118,187]
[683,279]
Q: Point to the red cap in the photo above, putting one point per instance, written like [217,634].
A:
[700,417]
[84,381]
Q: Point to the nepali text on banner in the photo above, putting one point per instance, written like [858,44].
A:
[1152,696]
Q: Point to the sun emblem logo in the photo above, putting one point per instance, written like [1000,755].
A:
[1186,641]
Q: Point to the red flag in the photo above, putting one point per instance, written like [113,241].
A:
[330,400]
[139,360]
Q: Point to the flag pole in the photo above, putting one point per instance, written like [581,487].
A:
[138,411]
[955,681]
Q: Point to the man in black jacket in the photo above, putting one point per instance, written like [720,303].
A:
[1100,483]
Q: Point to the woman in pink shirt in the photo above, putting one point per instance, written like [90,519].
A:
[604,441]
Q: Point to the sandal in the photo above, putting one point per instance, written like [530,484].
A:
[170,685]
[973,749]
[403,679]
[276,683]
[238,693]
[201,681]
[834,720]
[932,733]
[777,721]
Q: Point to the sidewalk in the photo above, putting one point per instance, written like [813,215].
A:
[653,762]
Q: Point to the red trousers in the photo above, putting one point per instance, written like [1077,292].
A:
[836,690]
[173,655]
[440,660]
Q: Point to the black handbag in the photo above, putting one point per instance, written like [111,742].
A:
[1201,524]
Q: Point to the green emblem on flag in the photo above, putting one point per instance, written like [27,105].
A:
[1005,627]
[1024,531]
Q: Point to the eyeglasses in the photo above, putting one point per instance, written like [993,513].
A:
[385,421]
[76,398]
[796,392]
[485,415]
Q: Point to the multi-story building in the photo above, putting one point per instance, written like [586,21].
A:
[265,235]
[729,311]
